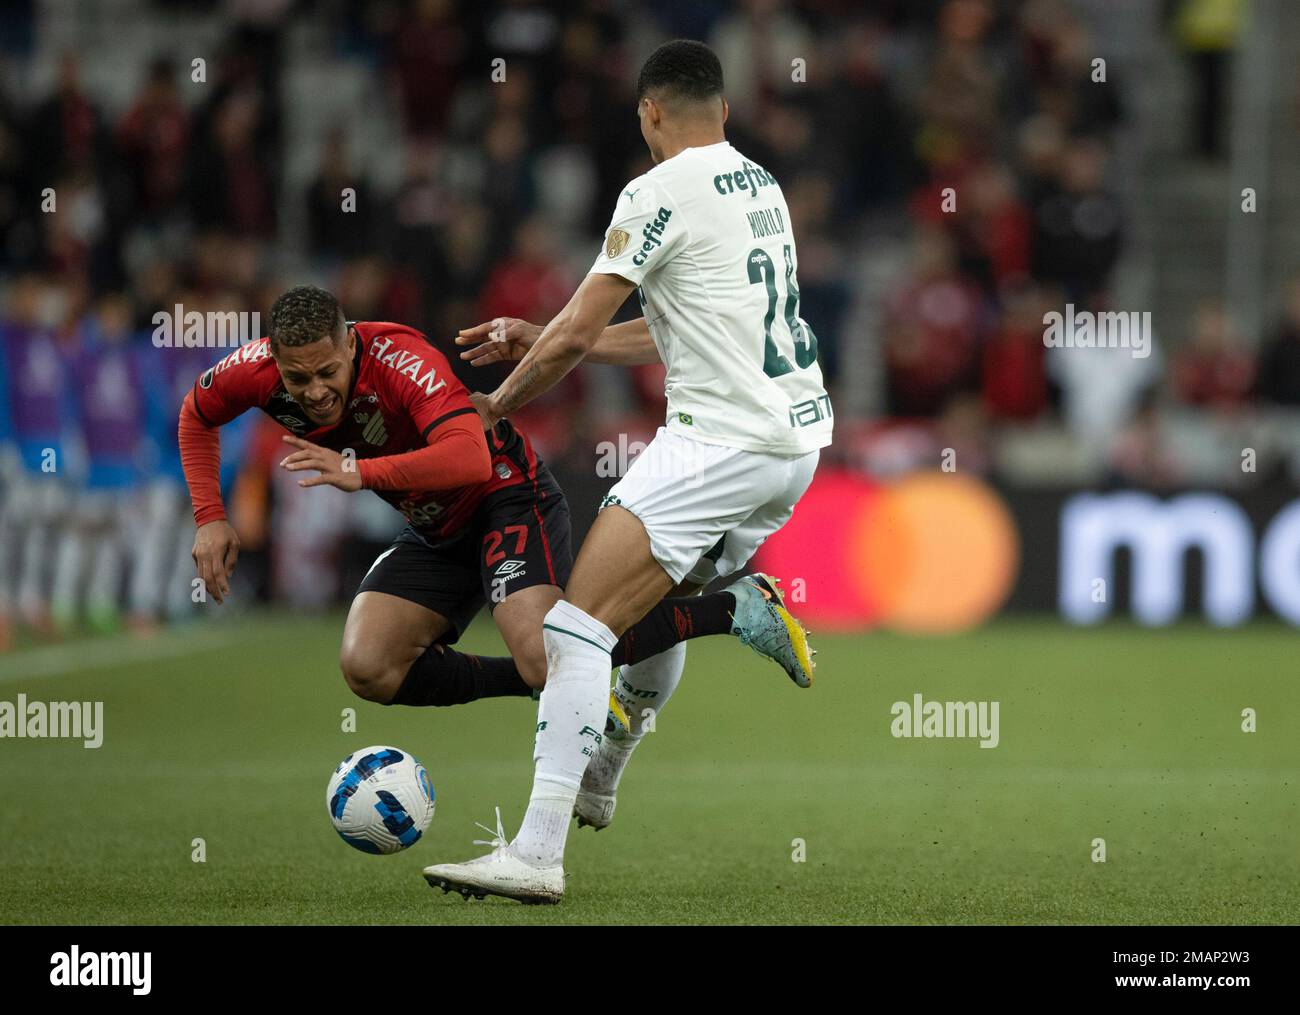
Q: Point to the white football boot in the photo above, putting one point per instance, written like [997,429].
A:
[501,872]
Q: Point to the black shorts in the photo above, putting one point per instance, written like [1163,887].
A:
[518,537]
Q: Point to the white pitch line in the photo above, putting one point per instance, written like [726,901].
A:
[100,654]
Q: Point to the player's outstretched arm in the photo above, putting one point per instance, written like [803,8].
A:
[216,549]
[499,340]
[625,345]
[216,545]
[508,338]
[456,455]
[561,346]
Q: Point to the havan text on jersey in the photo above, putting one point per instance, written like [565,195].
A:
[406,363]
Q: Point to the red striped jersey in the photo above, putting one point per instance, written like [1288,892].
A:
[402,388]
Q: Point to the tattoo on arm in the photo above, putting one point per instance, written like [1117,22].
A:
[521,388]
[563,343]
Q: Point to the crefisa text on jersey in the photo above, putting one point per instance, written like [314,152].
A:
[652,231]
[748,178]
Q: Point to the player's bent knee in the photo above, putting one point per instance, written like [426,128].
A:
[369,678]
[532,666]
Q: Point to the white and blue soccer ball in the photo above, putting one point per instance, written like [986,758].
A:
[380,800]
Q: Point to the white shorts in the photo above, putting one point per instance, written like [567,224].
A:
[707,508]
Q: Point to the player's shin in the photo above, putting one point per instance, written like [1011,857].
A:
[443,676]
[675,620]
[642,689]
[571,718]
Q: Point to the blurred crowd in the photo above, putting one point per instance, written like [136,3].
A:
[972,132]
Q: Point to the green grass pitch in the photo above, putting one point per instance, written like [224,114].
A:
[229,733]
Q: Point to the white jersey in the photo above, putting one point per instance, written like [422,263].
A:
[706,237]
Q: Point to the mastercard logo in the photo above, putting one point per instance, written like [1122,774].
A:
[929,553]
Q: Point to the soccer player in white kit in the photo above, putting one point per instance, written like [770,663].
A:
[705,238]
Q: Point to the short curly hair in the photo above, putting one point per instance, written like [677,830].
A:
[303,315]
[681,69]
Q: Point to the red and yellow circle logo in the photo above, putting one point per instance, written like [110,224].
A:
[929,553]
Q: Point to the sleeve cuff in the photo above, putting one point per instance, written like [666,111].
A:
[210,514]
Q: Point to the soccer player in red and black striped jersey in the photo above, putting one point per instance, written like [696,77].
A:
[374,406]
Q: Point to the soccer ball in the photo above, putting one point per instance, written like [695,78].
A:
[380,800]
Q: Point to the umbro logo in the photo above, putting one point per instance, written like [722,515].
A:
[510,568]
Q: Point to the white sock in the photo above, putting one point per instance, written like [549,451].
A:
[570,726]
[642,686]
[649,684]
